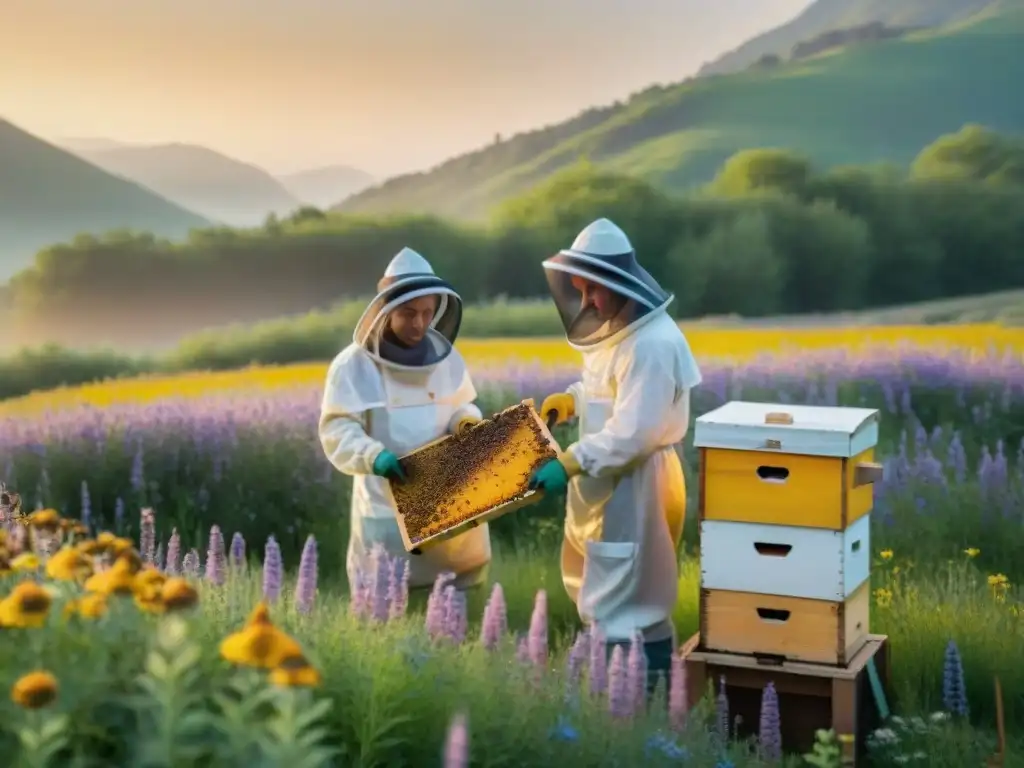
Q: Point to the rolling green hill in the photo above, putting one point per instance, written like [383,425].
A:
[48,195]
[878,102]
[828,15]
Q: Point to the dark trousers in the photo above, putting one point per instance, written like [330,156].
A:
[659,660]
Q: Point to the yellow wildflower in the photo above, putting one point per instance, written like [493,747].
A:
[105,539]
[116,580]
[885,554]
[295,672]
[26,606]
[27,561]
[88,606]
[972,551]
[89,547]
[259,643]
[147,587]
[45,520]
[998,580]
[177,594]
[68,564]
[883,597]
[34,690]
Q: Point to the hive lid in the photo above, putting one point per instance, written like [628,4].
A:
[805,429]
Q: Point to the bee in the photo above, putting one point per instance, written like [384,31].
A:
[10,504]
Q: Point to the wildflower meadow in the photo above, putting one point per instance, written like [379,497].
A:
[173,590]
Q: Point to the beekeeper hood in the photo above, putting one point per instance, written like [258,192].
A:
[409,276]
[599,288]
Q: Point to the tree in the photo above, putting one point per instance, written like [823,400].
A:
[973,153]
[756,170]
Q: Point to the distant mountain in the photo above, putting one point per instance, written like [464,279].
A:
[90,144]
[219,187]
[48,196]
[324,187]
[828,15]
[869,102]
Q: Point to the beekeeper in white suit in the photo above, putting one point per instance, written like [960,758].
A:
[399,385]
[626,496]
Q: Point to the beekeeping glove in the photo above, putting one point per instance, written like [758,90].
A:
[465,424]
[387,465]
[561,404]
[550,478]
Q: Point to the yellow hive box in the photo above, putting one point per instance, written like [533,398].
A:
[458,483]
[792,465]
[787,628]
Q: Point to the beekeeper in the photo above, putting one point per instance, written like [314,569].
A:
[399,385]
[626,496]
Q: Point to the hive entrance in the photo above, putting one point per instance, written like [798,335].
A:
[460,479]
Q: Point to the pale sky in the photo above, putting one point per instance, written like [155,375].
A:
[386,85]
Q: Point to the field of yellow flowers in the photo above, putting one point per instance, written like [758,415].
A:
[710,345]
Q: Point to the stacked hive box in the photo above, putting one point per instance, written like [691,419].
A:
[785,502]
[784,521]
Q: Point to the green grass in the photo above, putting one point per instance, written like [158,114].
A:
[391,691]
[873,103]
[48,195]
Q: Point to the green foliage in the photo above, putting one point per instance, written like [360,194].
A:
[973,153]
[871,103]
[850,238]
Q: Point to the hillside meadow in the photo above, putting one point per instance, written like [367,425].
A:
[244,509]
[771,235]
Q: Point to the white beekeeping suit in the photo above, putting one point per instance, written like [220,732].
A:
[382,396]
[626,500]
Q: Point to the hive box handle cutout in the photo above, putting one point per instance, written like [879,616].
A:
[773,615]
[773,550]
[777,417]
[773,474]
[867,473]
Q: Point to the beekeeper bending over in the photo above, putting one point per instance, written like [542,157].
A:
[626,493]
[399,385]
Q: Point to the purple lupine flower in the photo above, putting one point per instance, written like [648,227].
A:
[538,634]
[455,618]
[158,557]
[598,662]
[379,590]
[677,694]
[305,587]
[86,503]
[722,712]
[190,564]
[435,618]
[456,745]
[173,553]
[216,560]
[147,535]
[620,699]
[273,570]
[398,588]
[138,478]
[359,600]
[119,515]
[237,551]
[636,673]
[495,622]
[575,662]
[769,735]
[954,691]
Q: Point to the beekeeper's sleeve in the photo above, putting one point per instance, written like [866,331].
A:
[353,387]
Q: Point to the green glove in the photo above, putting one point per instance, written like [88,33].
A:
[551,478]
[387,465]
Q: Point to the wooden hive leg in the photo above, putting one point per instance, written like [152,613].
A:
[696,682]
[844,716]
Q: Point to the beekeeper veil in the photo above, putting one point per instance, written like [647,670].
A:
[599,288]
[409,276]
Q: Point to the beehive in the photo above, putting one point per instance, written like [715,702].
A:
[457,483]
[785,500]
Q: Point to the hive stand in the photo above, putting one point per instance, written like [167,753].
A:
[811,696]
[785,496]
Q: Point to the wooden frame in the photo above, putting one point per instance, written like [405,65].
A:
[485,516]
[811,696]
